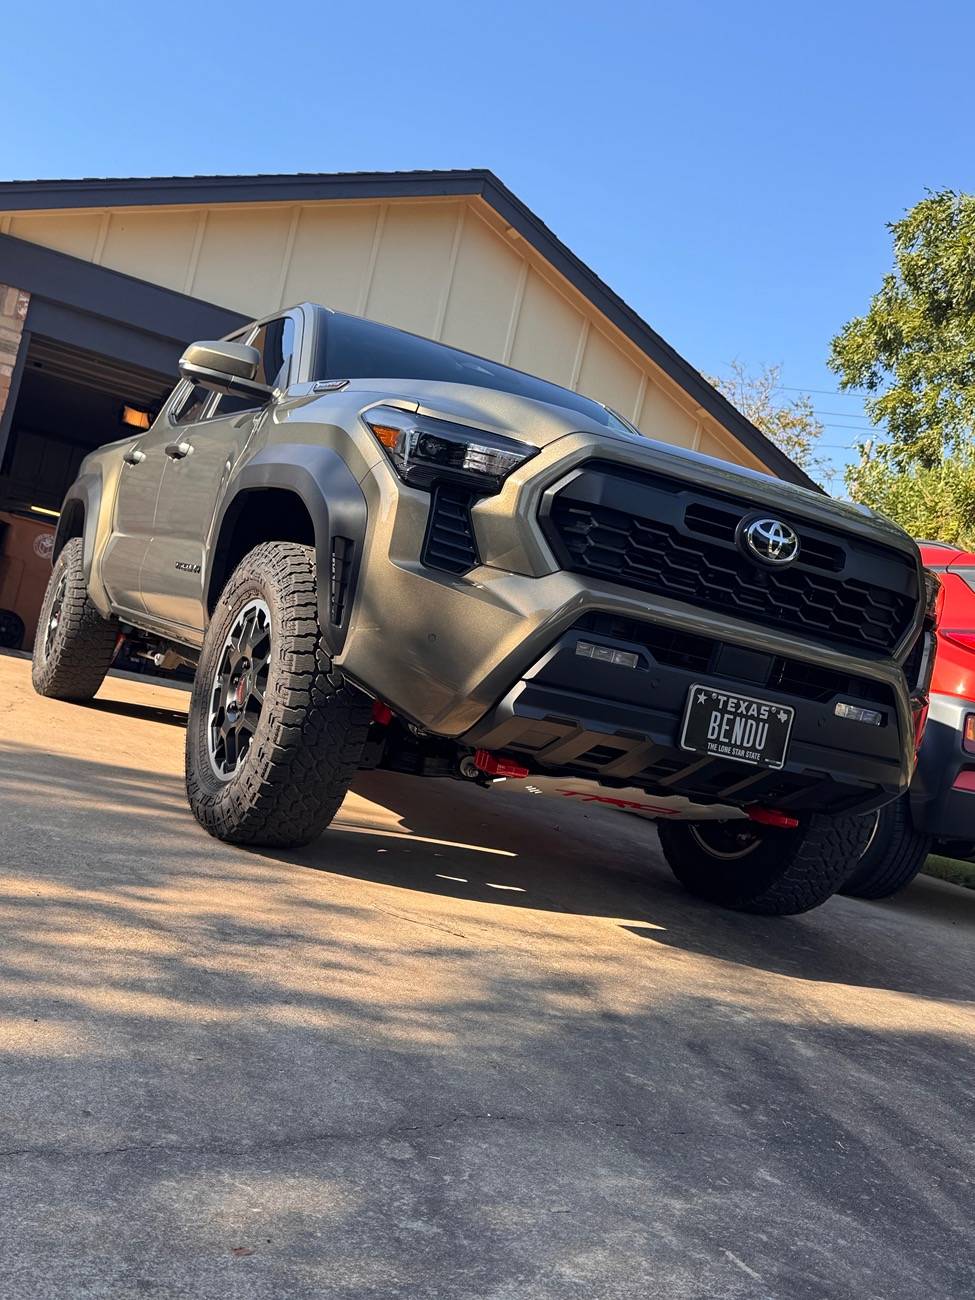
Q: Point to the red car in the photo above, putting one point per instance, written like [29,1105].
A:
[938,811]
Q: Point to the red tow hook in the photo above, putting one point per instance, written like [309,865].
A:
[381,713]
[772,817]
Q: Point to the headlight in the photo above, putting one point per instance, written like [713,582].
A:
[423,449]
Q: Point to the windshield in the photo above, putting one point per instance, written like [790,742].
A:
[352,348]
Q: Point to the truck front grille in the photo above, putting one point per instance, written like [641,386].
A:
[662,536]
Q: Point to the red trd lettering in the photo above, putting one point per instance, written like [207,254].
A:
[618,803]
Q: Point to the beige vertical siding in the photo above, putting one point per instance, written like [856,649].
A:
[608,375]
[662,417]
[240,261]
[446,268]
[412,264]
[332,255]
[170,235]
[74,233]
[486,285]
[548,332]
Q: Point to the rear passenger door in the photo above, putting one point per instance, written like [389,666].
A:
[142,471]
[200,460]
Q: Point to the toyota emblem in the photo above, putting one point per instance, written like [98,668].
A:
[769,540]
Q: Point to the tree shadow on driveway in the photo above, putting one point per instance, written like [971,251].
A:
[510,850]
[444,839]
[464,1045]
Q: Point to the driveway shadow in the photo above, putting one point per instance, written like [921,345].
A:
[510,850]
[143,712]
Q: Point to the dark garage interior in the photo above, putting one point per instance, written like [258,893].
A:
[70,401]
[97,355]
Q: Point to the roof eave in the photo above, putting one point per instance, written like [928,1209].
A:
[475,182]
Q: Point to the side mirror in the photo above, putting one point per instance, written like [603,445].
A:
[224,367]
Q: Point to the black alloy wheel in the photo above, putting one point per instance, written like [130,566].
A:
[239,687]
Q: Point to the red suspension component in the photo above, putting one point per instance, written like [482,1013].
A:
[772,817]
[491,765]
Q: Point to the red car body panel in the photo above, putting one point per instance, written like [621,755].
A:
[943,791]
[954,665]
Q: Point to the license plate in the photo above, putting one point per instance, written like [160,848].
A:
[737,727]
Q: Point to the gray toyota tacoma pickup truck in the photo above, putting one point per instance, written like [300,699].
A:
[379,551]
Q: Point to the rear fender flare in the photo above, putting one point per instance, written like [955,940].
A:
[84,494]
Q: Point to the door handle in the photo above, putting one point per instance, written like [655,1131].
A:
[134,456]
[177,450]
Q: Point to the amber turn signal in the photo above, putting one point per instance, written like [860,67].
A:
[386,435]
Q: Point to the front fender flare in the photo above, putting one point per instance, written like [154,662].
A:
[337,507]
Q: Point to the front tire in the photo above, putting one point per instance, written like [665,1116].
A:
[764,869]
[274,734]
[74,646]
[894,855]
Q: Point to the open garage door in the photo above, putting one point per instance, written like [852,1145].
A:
[72,364]
[69,402]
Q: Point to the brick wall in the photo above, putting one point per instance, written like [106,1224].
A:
[13,312]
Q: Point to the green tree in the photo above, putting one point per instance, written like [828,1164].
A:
[790,424]
[932,501]
[914,350]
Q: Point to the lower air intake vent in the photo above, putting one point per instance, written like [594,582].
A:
[343,551]
[449,543]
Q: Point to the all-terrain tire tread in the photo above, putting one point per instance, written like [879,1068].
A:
[818,867]
[84,644]
[895,856]
[313,728]
[814,864]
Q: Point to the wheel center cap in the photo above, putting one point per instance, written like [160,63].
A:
[240,694]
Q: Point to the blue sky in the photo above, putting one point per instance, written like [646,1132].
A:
[728,169]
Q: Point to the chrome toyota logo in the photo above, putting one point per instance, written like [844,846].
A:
[769,540]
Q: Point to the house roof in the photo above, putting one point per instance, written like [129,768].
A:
[91,192]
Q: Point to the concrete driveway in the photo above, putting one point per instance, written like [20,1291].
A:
[468,1045]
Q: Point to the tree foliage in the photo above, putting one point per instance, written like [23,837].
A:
[790,424]
[932,501]
[914,350]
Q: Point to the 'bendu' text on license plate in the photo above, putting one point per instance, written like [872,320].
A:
[738,727]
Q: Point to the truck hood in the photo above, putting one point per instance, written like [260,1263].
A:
[541,424]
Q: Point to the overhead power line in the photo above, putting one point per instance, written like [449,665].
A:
[820,392]
[853,428]
[846,415]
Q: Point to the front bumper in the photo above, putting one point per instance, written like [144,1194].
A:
[488,658]
[937,806]
[621,726]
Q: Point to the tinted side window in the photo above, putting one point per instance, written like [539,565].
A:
[190,407]
[275,341]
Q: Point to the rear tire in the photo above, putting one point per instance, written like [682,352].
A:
[275,734]
[74,646]
[762,869]
[893,857]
